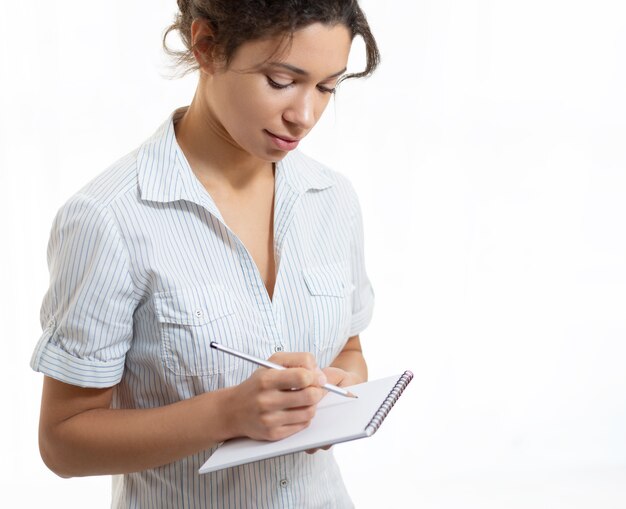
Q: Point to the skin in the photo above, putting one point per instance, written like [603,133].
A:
[225,136]
[233,158]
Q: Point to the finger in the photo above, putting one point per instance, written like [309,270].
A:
[334,375]
[289,399]
[288,417]
[307,397]
[313,451]
[295,416]
[285,431]
[291,378]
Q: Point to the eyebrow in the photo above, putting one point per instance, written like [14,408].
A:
[302,72]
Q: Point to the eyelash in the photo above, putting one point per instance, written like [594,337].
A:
[279,86]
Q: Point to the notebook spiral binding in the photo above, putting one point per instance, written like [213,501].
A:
[390,400]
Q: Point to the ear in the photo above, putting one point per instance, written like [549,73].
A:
[202,44]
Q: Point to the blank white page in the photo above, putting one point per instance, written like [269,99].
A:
[338,419]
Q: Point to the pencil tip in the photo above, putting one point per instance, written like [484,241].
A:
[352,395]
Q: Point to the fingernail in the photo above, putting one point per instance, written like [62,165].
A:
[322,379]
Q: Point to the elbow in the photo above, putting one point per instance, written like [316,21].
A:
[52,455]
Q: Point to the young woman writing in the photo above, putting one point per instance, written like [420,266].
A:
[215,229]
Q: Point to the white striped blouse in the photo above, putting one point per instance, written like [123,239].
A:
[144,273]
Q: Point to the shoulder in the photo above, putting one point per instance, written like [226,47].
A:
[118,185]
[114,183]
[97,205]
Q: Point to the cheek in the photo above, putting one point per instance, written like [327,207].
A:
[321,106]
[253,109]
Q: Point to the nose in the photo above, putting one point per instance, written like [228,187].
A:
[302,111]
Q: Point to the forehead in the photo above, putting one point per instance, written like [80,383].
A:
[317,49]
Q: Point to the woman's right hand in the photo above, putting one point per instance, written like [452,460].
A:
[80,434]
[273,404]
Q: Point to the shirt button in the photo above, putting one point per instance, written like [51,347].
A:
[278,348]
[284,483]
[198,313]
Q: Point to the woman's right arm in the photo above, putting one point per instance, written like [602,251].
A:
[79,434]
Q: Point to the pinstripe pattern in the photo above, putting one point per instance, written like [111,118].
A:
[145,273]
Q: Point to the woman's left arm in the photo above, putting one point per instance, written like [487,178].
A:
[349,367]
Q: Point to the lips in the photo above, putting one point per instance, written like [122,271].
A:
[282,142]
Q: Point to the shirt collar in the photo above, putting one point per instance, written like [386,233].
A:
[303,173]
[164,175]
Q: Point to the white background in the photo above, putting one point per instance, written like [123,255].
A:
[488,153]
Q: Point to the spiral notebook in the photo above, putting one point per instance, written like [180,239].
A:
[338,419]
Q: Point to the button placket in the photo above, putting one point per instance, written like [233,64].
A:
[265,305]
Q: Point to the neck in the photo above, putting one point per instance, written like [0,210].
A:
[213,155]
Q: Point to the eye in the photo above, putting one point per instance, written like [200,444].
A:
[326,90]
[275,84]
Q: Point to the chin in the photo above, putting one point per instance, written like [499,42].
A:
[274,156]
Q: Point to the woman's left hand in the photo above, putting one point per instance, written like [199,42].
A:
[340,378]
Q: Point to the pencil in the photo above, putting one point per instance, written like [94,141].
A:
[273,365]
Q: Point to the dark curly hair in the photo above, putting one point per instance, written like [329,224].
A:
[234,22]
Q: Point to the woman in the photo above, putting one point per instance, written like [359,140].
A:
[215,229]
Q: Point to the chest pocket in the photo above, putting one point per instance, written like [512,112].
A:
[189,320]
[330,291]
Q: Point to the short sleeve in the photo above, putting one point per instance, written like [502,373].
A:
[87,312]
[363,296]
